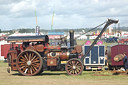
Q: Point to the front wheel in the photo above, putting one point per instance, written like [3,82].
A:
[74,67]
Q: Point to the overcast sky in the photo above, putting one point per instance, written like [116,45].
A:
[69,14]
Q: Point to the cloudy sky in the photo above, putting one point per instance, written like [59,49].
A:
[68,13]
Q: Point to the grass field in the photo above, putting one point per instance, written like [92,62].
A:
[61,78]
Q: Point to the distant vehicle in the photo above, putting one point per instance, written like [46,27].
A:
[123,40]
[111,40]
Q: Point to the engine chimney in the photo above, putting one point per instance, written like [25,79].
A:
[71,38]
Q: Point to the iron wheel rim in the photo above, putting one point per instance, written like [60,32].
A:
[74,67]
[29,63]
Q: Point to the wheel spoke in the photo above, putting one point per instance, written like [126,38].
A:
[31,70]
[70,63]
[33,58]
[22,62]
[76,63]
[35,65]
[70,71]
[23,59]
[34,70]
[29,57]
[70,68]
[32,55]
[73,63]
[36,61]
[78,68]
[26,71]
[27,54]
[26,57]
[22,67]
[76,71]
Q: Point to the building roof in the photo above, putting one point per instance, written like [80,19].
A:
[55,33]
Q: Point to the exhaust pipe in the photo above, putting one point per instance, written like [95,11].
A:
[71,38]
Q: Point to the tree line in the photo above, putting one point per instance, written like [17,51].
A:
[32,30]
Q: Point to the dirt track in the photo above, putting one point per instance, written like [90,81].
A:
[61,78]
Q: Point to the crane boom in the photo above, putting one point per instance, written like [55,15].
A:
[109,22]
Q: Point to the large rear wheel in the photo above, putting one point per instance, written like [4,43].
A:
[29,63]
[74,67]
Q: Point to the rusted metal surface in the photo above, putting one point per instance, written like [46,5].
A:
[53,47]
[52,62]
[78,48]
[30,48]
[52,57]
[64,56]
[13,54]
[73,51]
[61,55]
[39,48]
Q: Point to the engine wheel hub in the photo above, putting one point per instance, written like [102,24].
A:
[74,67]
[29,63]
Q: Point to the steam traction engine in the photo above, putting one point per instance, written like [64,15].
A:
[34,54]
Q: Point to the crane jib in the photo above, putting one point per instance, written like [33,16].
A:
[109,22]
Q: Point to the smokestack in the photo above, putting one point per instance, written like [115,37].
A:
[71,38]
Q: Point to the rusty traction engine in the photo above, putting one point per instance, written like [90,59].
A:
[35,54]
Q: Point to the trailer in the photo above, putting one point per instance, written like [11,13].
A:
[95,58]
[115,56]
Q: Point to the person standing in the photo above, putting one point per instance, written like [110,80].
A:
[125,61]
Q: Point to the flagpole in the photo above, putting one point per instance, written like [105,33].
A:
[36,18]
[52,21]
